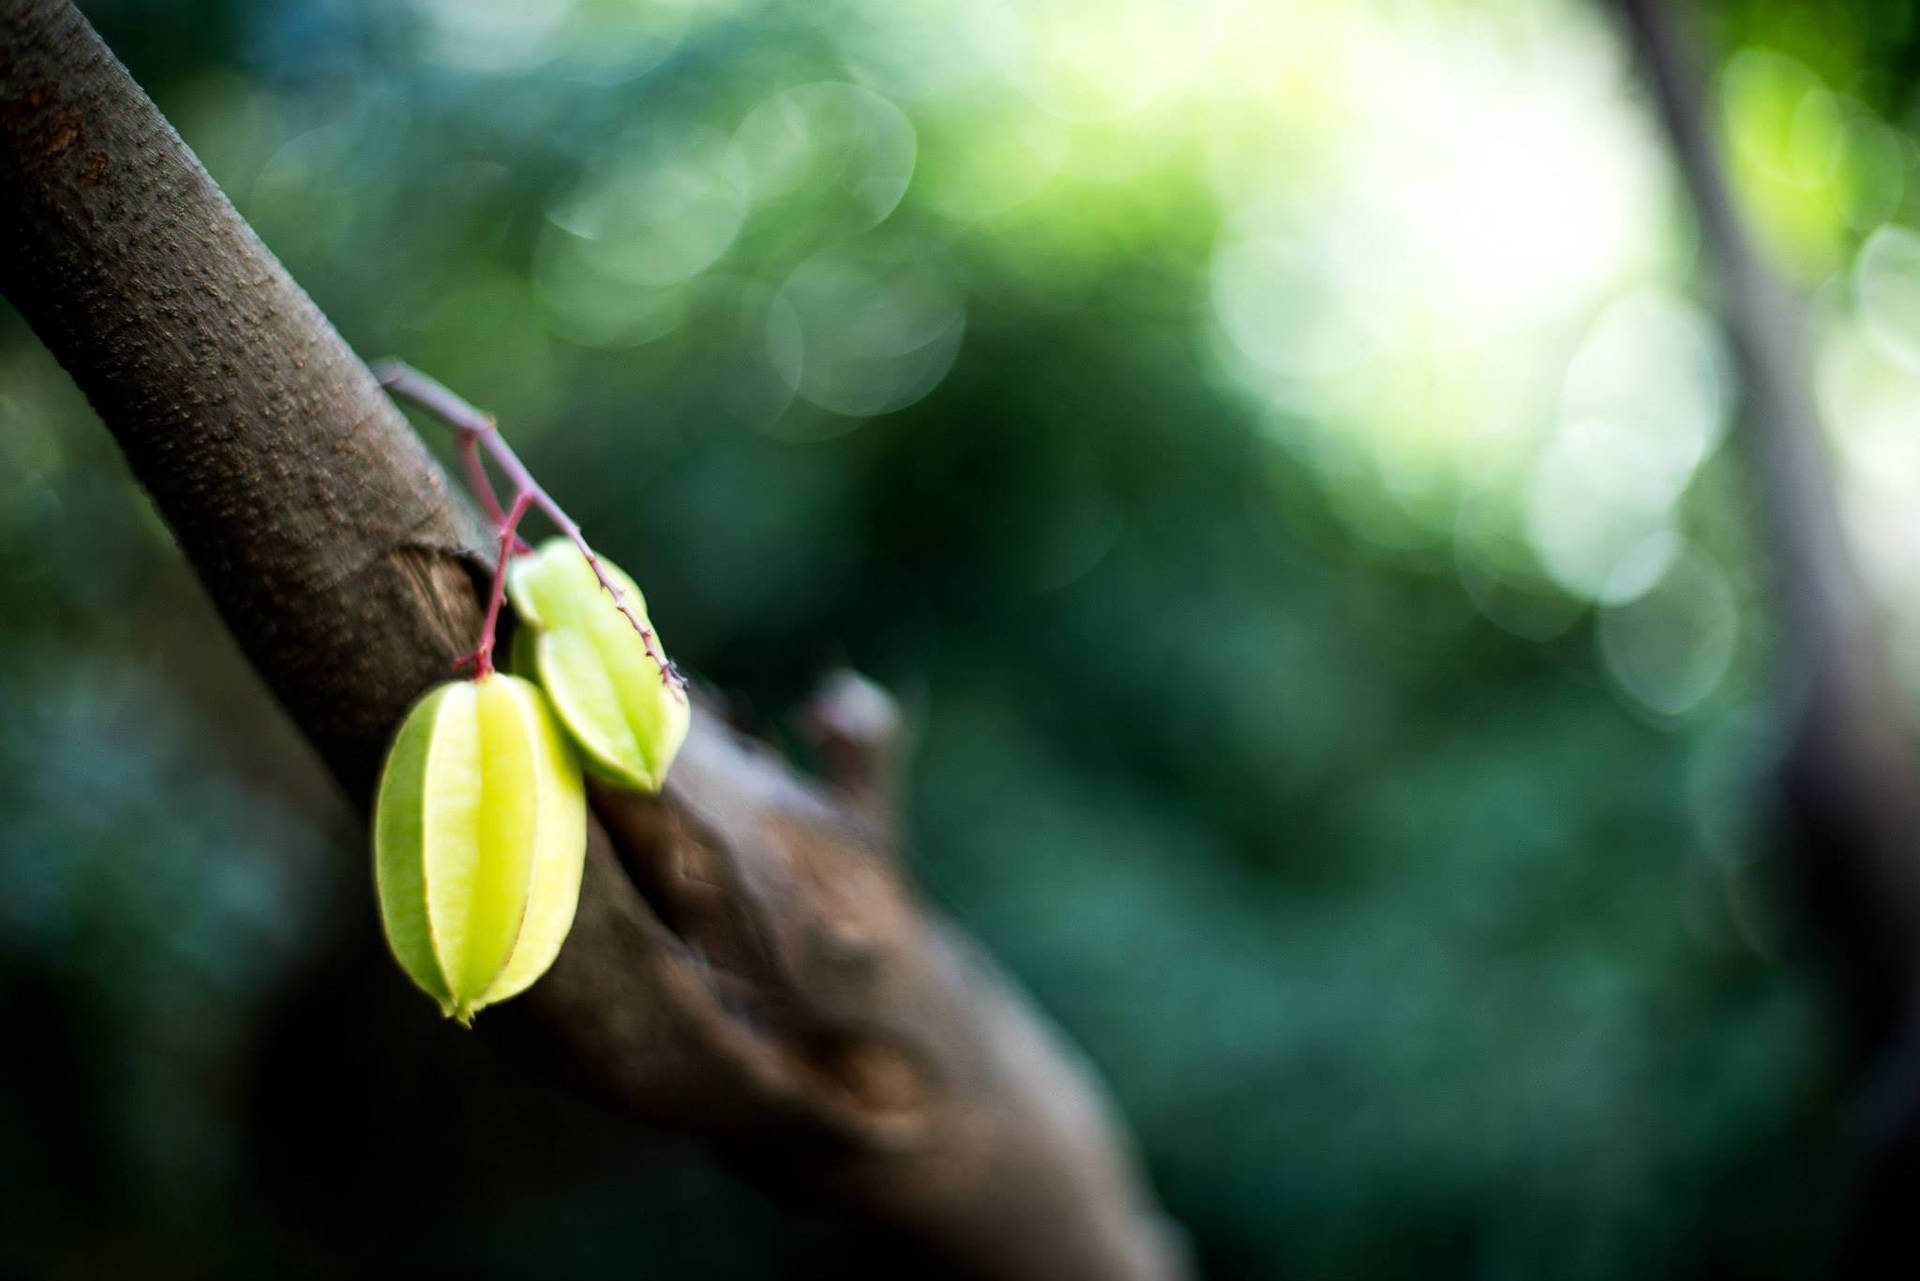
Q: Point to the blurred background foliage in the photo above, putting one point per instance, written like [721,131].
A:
[1275,449]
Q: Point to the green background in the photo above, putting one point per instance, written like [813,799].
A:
[1275,452]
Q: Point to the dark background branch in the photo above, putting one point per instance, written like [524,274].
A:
[749,963]
[1849,782]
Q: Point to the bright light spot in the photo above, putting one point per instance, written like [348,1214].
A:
[1793,161]
[1785,123]
[1091,60]
[1636,573]
[929,53]
[829,137]
[1672,646]
[1886,282]
[585,305]
[1643,404]
[1658,361]
[659,211]
[1512,183]
[865,334]
[493,35]
[1401,281]
[1592,502]
[1298,306]
[609,41]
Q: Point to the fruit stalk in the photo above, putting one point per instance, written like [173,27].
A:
[507,526]
[479,431]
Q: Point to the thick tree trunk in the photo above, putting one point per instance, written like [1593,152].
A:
[749,961]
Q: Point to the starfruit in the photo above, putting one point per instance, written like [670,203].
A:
[627,716]
[479,837]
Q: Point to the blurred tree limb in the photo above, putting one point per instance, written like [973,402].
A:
[750,962]
[1850,777]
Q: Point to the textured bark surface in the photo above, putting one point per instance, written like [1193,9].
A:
[749,962]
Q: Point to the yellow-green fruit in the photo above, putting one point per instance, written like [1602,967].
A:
[627,718]
[479,836]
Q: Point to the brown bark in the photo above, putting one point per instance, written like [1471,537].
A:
[749,962]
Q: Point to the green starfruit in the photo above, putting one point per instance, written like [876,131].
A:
[623,710]
[479,838]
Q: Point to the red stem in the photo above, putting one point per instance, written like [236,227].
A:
[477,479]
[478,431]
[482,656]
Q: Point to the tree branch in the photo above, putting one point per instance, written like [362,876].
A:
[1850,780]
[749,961]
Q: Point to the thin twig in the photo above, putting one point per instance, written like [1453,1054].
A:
[479,431]
[478,480]
[482,656]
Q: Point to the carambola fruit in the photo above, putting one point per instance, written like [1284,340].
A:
[626,715]
[479,840]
